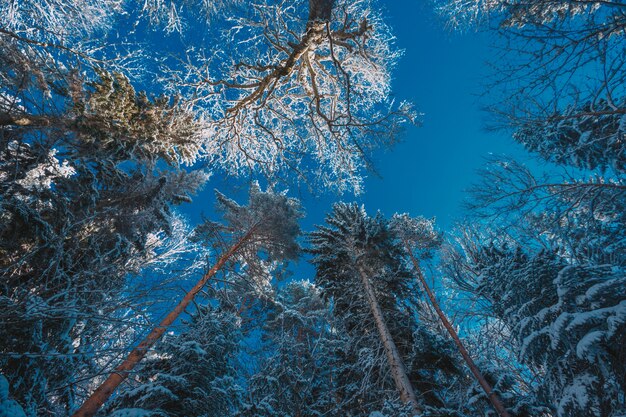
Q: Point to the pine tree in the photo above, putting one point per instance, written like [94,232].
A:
[268,224]
[419,238]
[359,266]
[187,374]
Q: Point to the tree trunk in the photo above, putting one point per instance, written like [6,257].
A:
[398,371]
[493,397]
[320,10]
[104,391]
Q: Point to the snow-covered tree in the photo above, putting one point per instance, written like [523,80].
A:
[567,231]
[305,90]
[582,217]
[81,201]
[419,238]
[562,73]
[187,374]
[520,13]
[265,228]
[307,86]
[360,268]
[567,322]
[295,379]
[591,137]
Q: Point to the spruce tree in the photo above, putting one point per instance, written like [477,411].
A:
[295,379]
[360,268]
[567,321]
[187,374]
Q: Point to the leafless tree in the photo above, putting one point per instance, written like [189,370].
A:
[299,89]
[559,73]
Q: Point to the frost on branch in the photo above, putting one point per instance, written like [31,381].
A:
[268,224]
[513,13]
[418,233]
[188,374]
[115,117]
[298,93]
[569,323]
[591,137]
[267,227]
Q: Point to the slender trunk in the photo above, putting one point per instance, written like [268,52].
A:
[398,371]
[320,10]
[104,391]
[493,397]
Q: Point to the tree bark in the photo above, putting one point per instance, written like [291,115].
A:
[493,397]
[103,392]
[320,10]
[398,371]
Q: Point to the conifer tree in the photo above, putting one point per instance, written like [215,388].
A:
[353,250]
[296,377]
[359,266]
[419,239]
[79,217]
[267,224]
[188,374]
[567,322]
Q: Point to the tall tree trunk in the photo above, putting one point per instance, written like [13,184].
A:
[320,10]
[398,371]
[493,397]
[104,391]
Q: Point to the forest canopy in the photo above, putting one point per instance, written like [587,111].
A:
[129,290]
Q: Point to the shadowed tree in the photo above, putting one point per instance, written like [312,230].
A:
[188,374]
[82,206]
[566,320]
[354,249]
[360,268]
[296,378]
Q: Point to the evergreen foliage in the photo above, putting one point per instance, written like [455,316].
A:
[91,245]
[567,320]
[76,221]
[296,377]
[188,374]
[351,240]
[591,137]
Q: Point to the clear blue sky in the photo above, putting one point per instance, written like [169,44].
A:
[427,174]
[442,72]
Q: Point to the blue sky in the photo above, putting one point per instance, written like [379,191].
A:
[442,72]
[427,174]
